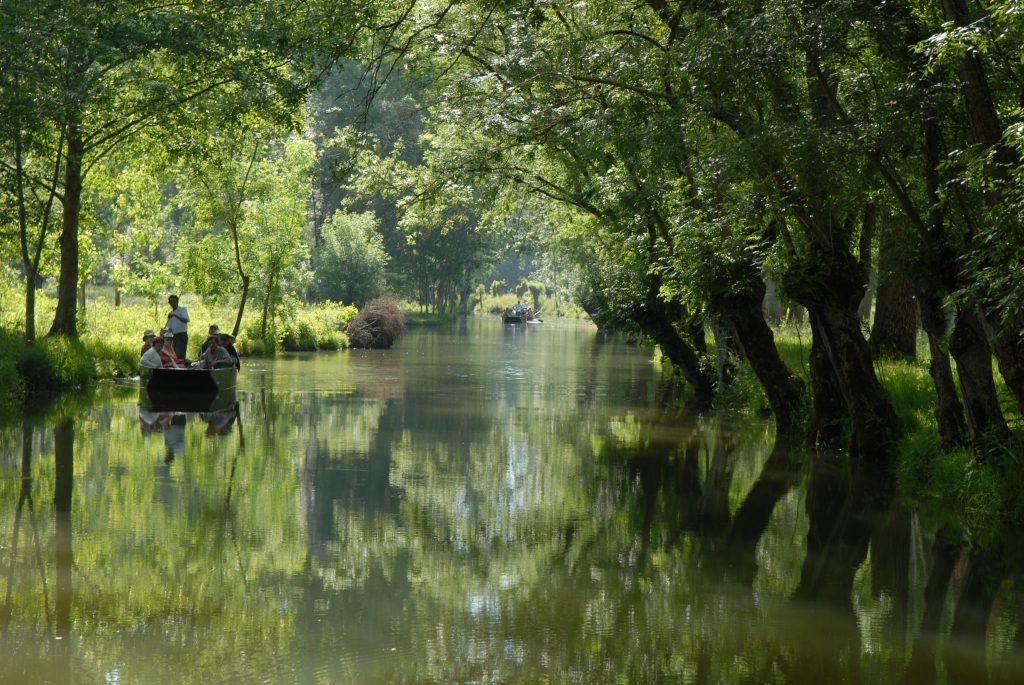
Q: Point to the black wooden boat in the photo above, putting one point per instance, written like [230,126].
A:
[520,318]
[187,389]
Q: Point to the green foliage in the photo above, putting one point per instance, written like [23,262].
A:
[318,326]
[350,265]
[247,200]
[52,364]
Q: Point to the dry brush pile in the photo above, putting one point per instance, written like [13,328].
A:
[378,325]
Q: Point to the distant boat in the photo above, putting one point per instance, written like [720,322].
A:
[513,318]
[187,389]
[508,317]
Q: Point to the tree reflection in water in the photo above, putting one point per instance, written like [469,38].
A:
[413,535]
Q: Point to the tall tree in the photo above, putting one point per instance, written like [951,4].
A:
[106,71]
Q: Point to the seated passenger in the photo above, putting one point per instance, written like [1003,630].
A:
[215,357]
[156,358]
[227,341]
[214,330]
[147,341]
[167,355]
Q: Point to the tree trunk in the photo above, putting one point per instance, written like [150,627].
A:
[830,286]
[265,316]
[983,119]
[894,332]
[949,412]
[756,342]
[65,318]
[987,131]
[117,297]
[1007,341]
[241,305]
[830,422]
[30,304]
[974,367]
[653,318]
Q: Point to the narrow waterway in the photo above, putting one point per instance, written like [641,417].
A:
[481,504]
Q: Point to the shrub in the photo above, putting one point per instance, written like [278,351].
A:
[379,325]
[57,362]
[317,327]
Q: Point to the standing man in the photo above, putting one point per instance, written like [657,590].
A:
[177,323]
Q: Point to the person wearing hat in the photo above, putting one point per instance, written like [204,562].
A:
[156,358]
[147,340]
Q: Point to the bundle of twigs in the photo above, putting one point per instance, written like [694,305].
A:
[378,326]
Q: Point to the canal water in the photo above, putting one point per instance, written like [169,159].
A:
[480,504]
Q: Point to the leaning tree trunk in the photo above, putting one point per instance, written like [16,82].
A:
[756,341]
[653,318]
[987,130]
[241,305]
[970,349]
[1007,341]
[65,318]
[949,411]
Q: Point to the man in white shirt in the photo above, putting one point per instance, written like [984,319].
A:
[177,323]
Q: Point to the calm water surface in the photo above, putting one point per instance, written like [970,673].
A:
[479,505]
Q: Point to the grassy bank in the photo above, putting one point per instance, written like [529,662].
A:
[110,339]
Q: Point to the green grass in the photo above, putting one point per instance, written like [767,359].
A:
[311,327]
[959,487]
[51,364]
[110,338]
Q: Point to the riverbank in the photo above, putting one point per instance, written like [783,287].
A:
[968,490]
[111,337]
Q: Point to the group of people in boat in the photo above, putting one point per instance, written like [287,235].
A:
[520,309]
[167,349]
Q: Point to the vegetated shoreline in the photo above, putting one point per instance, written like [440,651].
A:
[111,337]
[965,491]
